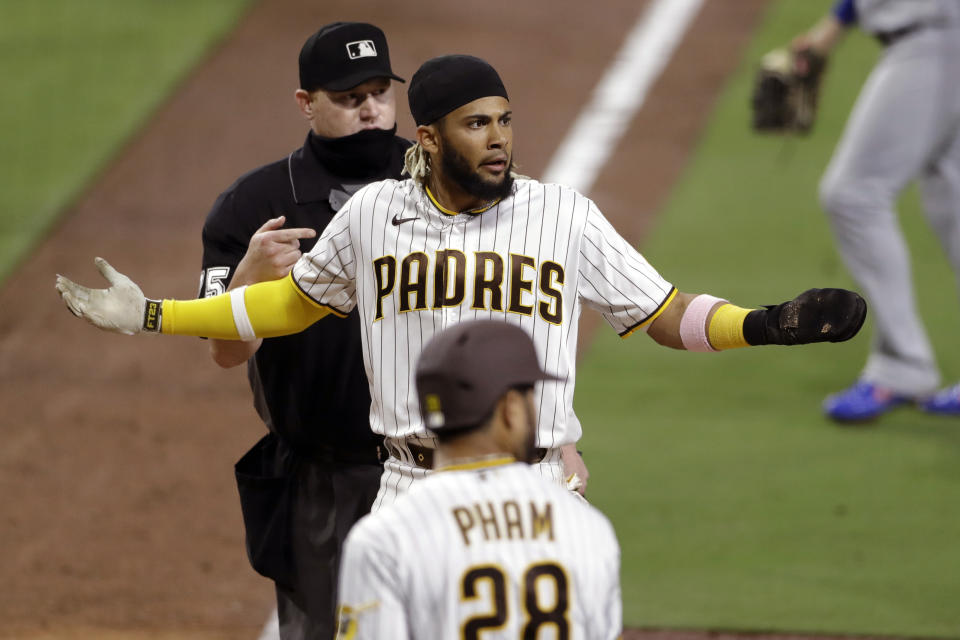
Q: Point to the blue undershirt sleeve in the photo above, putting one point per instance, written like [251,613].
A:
[845,11]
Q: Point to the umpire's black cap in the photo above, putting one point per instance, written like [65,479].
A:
[342,55]
[464,370]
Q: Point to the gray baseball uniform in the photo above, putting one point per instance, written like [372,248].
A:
[904,126]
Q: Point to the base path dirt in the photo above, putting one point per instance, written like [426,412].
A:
[120,517]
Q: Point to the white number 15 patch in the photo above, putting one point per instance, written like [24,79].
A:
[213,281]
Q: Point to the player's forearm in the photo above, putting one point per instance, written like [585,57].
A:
[242,277]
[823,37]
[232,353]
[262,310]
[705,323]
[665,329]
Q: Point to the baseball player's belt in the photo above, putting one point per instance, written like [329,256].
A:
[325,454]
[423,456]
[887,38]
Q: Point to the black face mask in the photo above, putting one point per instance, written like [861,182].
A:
[365,154]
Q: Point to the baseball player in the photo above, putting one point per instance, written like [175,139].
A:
[316,472]
[485,547]
[464,239]
[905,126]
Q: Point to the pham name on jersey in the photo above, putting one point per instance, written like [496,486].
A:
[508,520]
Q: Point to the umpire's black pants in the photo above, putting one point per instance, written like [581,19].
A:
[327,500]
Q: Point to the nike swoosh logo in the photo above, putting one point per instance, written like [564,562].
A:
[397,220]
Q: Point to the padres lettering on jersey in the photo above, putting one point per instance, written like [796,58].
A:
[531,260]
[498,550]
[438,281]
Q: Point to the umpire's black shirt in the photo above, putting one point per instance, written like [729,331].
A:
[310,388]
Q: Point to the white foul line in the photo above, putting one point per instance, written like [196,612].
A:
[621,91]
[615,100]
[271,630]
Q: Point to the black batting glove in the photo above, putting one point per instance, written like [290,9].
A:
[816,315]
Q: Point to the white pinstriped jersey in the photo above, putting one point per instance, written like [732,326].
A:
[495,552]
[531,260]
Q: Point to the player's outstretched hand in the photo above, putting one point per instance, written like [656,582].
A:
[574,469]
[816,315]
[118,308]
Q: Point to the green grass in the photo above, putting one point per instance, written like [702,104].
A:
[79,79]
[737,505]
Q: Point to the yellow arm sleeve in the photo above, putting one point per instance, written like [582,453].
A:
[275,308]
[726,327]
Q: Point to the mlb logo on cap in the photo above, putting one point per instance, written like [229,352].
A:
[361,49]
[323,64]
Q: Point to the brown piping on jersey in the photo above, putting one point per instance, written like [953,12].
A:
[306,296]
[653,316]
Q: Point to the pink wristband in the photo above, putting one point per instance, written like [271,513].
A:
[693,323]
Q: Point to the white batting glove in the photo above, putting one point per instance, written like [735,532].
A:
[574,469]
[574,483]
[119,308]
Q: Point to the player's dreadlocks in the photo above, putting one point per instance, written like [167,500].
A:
[416,163]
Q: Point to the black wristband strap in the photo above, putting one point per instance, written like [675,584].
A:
[153,315]
[755,327]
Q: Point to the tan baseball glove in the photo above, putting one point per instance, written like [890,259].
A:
[785,91]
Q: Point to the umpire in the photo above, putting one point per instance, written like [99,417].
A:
[317,471]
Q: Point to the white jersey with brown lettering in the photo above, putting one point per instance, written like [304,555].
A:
[489,551]
[531,259]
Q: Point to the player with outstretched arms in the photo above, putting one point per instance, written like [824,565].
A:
[463,239]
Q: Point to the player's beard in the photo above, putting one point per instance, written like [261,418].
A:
[457,169]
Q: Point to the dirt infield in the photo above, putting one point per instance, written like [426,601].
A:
[120,516]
